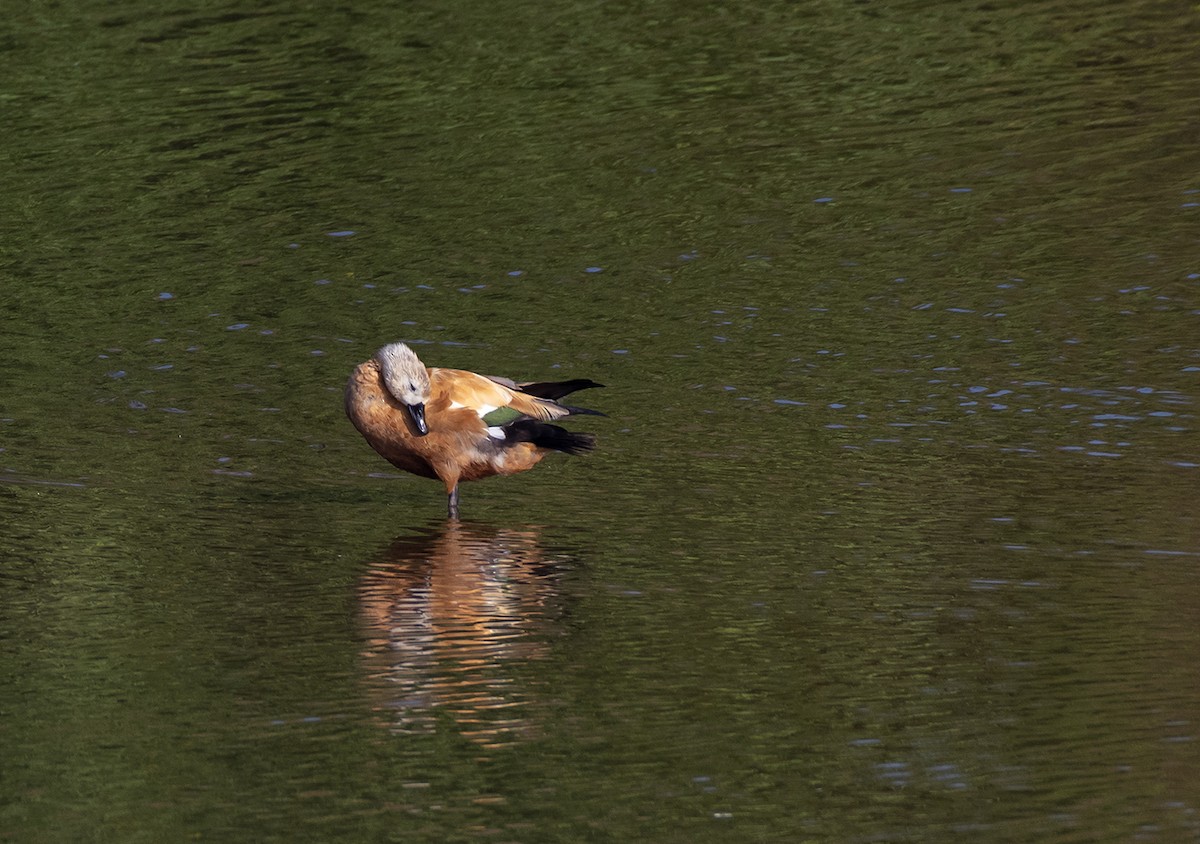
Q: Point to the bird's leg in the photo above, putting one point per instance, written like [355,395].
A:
[452,501]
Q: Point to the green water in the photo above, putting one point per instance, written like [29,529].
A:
[890,534]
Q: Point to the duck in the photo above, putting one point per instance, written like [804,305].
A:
[453,425]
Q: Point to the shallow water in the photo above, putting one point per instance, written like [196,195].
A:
[890,534]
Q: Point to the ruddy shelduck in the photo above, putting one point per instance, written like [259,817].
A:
[453,425]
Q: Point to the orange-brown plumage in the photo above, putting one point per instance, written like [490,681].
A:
[474,426]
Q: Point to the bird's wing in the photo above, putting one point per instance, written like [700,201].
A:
[495,403]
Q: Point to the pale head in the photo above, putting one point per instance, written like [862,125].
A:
[403,374]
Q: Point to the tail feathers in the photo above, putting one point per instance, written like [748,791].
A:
[555,390]
[549,436]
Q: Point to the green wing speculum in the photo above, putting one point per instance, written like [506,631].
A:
[501,416]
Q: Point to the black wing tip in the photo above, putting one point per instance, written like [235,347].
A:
[554,390]
[582,411]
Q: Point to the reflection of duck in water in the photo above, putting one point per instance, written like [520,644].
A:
[455,425]
[447,612]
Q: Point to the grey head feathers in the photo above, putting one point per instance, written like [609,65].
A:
[403,374]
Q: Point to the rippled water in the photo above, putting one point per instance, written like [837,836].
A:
[891,531]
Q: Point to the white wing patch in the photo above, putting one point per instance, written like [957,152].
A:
[483,410]
[495,432]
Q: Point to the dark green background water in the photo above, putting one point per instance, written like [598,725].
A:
[891,535]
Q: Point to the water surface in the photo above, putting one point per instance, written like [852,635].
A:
[890,534]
